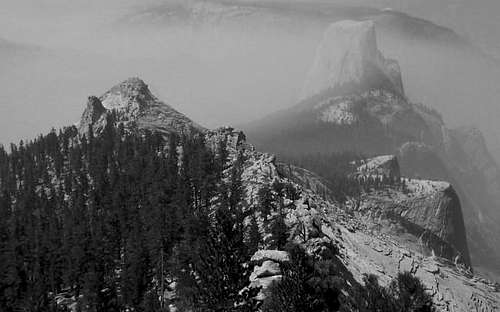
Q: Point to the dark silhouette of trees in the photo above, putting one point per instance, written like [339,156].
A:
[405,293]
[96,221]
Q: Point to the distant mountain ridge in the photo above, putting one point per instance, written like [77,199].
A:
[280,12]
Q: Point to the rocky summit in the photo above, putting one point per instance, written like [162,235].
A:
[134,106]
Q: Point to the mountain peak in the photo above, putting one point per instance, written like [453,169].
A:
[132,91]
[133,85]
[135,106]
[348,57]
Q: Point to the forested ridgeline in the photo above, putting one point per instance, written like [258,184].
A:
[106,222]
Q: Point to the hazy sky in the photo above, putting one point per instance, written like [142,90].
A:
[211,75]
[216,76]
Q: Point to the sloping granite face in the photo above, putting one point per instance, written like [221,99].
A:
[427,217]
[423,213]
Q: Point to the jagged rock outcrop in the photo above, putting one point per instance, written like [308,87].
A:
[348,57]
[135,106]
[92,114]
[267,270]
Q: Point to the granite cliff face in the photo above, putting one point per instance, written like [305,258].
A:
[348,57]
[92,115]
[424,214]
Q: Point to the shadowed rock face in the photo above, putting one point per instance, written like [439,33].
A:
[439,213]
[92,113]
[307,178]
[135,107]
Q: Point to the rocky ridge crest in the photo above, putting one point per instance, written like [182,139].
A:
[332,230]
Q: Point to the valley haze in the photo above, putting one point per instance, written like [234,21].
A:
[203,155]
